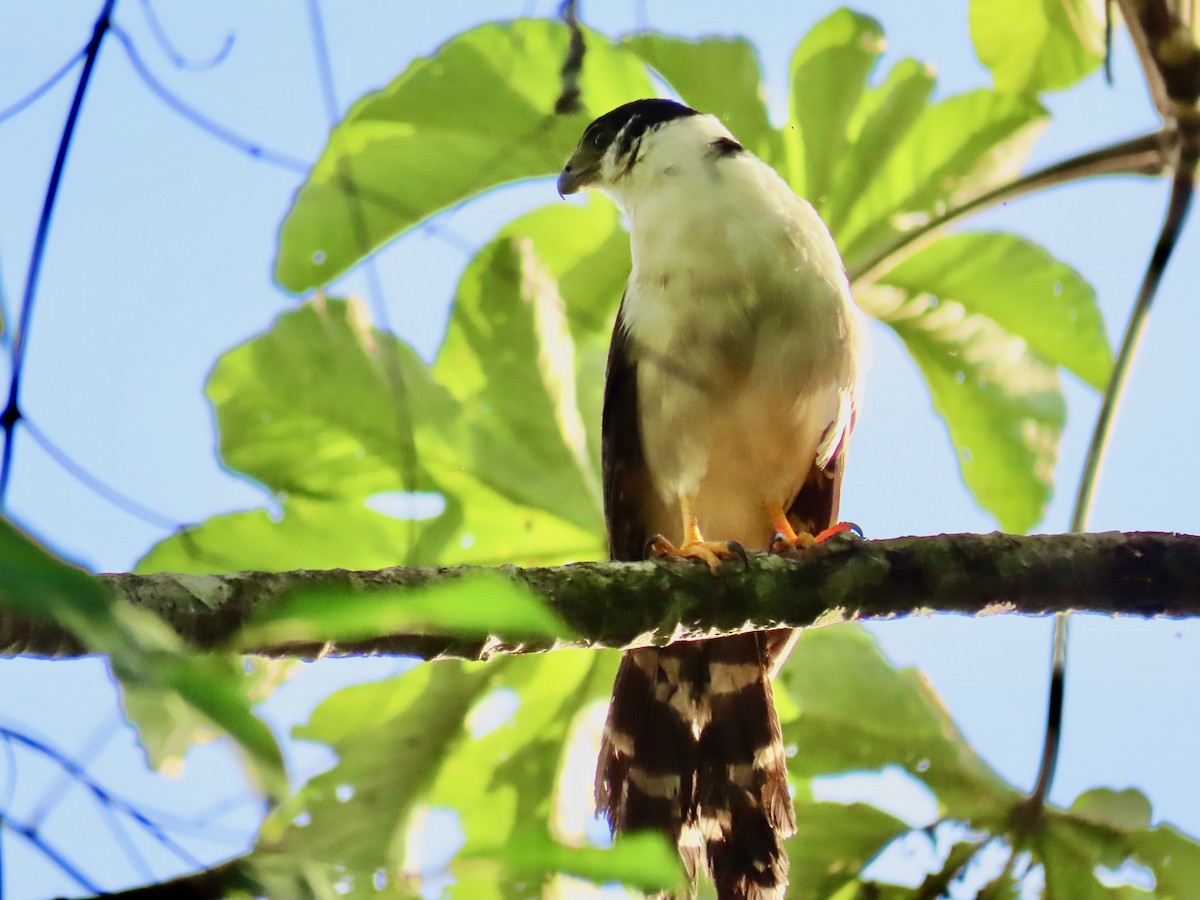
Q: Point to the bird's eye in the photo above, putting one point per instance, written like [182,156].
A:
[599,139]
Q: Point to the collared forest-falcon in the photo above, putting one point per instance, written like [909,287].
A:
[731,391]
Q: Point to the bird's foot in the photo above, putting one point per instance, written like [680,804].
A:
[711,553]
[783,543]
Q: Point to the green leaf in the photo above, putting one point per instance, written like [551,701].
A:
[432,138]
[645,860]
[171,686]
[214,686]
[390,737]
[954,148]
[474,605]
[436,738]
[716,75]
[509,359]
[508,777]
[36,584]
[587,252]
[859,713]
[1070,850]
[1125,810]
[280,401]
[834,842]
[1020,287]
[282,412]
[829,72]
[1000,401]
[1173,857]
[1037,45]
[878,123]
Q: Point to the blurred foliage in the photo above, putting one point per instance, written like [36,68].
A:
[489,454]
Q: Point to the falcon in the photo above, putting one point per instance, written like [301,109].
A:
[729,399]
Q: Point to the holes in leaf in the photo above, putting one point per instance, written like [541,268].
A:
[415,505]
[893,790]
[491,711]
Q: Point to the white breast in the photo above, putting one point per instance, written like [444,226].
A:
[743,328]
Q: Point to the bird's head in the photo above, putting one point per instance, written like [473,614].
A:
[610,145]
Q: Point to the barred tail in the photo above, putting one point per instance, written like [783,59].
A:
[692,748]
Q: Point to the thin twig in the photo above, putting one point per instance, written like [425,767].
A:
[1144,155]
[1178,205]
[32,97]
[12,410]
[178,59]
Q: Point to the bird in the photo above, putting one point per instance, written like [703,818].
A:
[732,387]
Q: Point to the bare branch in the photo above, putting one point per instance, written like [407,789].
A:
[638,604]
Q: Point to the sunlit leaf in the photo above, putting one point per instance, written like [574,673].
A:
[35,583]
[505,777]
[509,359]
[877,124]
[1038,45]
[1173,857]
[1020,287]
[281,404]
[588,253]
[390,737]
[834,842]
[859,713]
[282,401]
[952,149]
[473,605]
[828,74]
[432,138]
[1127,810]
[716,75]
[214,686]
[645,860]
[1001,402]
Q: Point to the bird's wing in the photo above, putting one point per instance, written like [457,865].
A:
[623,460]
[814,509]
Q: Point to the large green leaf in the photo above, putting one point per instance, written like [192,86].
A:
[829,72]
[506,778]
[645,860]
[953,149]
[1020,287]
[323,405]
[587,252]
[479,605]
[1000,401]
[509,359]
[877,124]
[391,737]
[859,713]
[833,844]
[434,137]
[282,406]
[438,737]
[1037,45]
[37,584]
[716,75]
[177,690]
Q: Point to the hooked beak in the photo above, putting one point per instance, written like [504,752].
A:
[580,171]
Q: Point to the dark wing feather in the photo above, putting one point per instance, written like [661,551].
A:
[814,509]
[622,458]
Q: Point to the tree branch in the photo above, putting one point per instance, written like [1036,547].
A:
[639,604]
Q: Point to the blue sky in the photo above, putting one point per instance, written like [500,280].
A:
[159,260]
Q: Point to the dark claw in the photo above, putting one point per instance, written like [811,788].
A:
[738,550]
[654,546]
[853,526]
